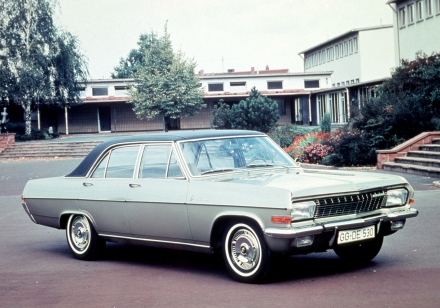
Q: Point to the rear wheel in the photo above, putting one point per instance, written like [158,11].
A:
[245,252]
[360,252]
[82,238]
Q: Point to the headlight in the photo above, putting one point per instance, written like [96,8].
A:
[303,210]
[397,197]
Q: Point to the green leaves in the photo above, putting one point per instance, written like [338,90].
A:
[165,83]
[39,63]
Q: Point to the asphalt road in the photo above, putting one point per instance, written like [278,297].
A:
[38,270]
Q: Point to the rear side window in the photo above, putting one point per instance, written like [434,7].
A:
[119,163]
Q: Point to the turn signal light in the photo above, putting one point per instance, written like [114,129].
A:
[411,201]
[22,198]
[281,219]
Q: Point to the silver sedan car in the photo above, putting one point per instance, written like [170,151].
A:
[231,191]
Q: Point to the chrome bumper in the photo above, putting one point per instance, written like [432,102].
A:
[290,233]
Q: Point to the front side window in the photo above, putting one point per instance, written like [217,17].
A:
[272,85]
[159,162]
[205,157]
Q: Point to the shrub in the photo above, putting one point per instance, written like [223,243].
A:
[326,123]
[314,153]
[301,142]
[350,148]
[284,135]
[222,116]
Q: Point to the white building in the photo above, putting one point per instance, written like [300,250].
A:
[416,27]
[359,59]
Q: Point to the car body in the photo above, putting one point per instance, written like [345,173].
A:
[229,190]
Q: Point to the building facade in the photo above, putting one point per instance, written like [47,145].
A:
[359,59]
[416,27]
[106,107]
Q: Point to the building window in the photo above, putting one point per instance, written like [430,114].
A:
[342,83]
[281,106]
[273,85]
[238,86]
[352,81]
[100,91]
[298,111]
[355,44]
[345,48]
[341,50]
[338,84]
[337,51]
[437,6]
[428,4]
[402,17]
[410,13]
[215,87]
[419,10]
[120,90]
[324,56]
[357,80]
[311,83]
[350,46]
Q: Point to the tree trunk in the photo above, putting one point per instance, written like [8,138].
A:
[27,117]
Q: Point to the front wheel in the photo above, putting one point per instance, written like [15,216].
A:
[82,238]
[360,252]
[245,252]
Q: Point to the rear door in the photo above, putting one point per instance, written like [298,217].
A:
[155,201]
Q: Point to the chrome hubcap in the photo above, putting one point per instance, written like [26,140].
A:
[80,232]
[245,250]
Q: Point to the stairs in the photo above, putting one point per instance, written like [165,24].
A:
[48,149]
[424,161]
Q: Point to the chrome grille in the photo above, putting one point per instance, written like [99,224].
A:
[351,204]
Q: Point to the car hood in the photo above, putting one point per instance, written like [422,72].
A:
[305,182]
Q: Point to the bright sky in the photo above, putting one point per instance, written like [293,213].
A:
[218,34]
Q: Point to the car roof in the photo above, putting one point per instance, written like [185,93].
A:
[172,136]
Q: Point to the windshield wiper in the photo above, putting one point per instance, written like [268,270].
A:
[259,165]
[216,170]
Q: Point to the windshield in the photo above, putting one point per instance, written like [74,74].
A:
[229,154]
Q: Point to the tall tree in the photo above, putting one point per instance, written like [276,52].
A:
[39,63]
[165,84]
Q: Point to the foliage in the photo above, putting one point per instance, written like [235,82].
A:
[256,112]
[300,143]
[326,123]
[136,57]
[314,153]
[350,148]
[165,84]
[405,104]
[39,64]
[222,115]
[284,135]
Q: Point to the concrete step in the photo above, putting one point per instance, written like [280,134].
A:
[424,154]
[413,169]
[48,149]
[427,162]
[430,147]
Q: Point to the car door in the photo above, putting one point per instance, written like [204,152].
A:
[156,198]
[103,193]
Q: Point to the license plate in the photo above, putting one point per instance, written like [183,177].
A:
[348,236]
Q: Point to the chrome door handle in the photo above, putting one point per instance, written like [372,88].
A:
[87,184]
[134,185]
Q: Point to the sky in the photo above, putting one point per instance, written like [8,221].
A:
[218,34]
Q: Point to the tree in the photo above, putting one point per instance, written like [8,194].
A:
[405,105]
[222,116]
[257,112]
[128,66]
[165,84]
[39,63]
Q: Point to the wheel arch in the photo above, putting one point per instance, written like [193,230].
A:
[64,218]
[222,221]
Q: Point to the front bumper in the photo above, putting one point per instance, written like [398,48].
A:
[279,239]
